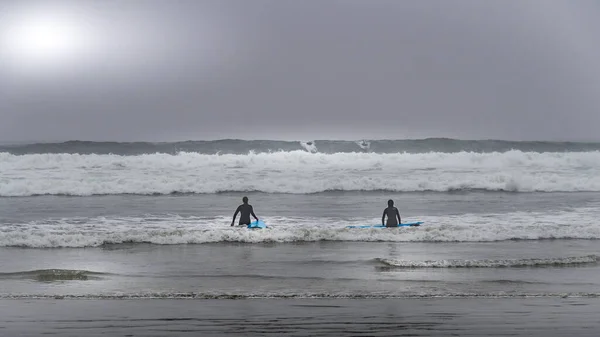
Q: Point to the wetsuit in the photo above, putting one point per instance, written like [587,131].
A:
[393,216]
[245,211]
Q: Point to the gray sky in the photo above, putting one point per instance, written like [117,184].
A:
[299,69]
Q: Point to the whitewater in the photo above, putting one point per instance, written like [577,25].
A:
[298,172]
[170,229]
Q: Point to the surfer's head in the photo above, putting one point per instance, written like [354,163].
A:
[390,203]
[245,200]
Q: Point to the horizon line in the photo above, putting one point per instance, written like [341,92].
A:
[33,142]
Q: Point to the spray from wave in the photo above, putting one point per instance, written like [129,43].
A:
[364,144]
[309,147]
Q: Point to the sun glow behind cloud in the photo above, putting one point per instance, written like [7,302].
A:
[43,39]
[115,42]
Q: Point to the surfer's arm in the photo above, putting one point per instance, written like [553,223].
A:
[252,212]
[398,215]
[383,218]
[235,215]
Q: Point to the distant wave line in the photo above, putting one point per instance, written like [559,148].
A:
[237,146]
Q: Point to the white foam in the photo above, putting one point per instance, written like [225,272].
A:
[296,172]
[487,263]
[310,146]
[580,223]
[364,144]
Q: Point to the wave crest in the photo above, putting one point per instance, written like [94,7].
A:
[580,223]
[237,146]
[51,275]
[298,172]
[486,263]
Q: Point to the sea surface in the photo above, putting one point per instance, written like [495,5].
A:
[135,238]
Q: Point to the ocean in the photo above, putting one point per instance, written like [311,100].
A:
[108,238]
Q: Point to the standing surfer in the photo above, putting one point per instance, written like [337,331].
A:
[245,211]
[393,216]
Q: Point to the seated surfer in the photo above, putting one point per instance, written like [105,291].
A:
[245,211]
[393,216]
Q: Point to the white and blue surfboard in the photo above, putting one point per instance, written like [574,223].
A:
[257,224]
[406,224]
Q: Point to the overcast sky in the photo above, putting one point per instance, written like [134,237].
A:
[299,69]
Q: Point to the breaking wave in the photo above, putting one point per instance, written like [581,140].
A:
[299,172]
[580,223]
[486,263]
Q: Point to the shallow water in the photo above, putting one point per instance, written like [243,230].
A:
[339,317]
[486,244]
[309,269]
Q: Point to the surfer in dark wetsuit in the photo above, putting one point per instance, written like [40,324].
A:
[392,215]
[245,211]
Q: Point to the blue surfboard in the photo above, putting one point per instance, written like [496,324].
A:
[257,224]
[406,224]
